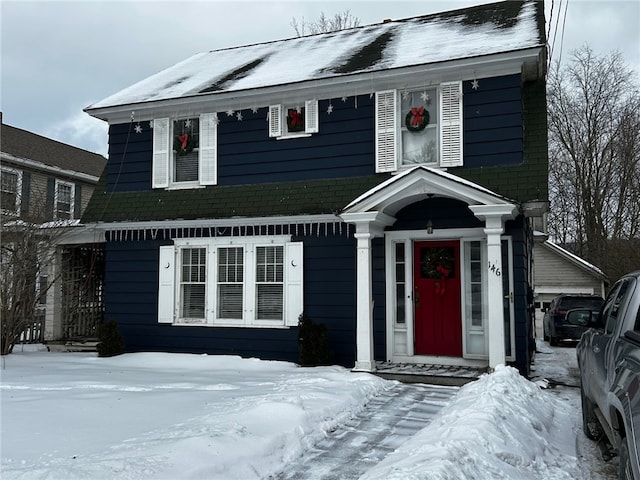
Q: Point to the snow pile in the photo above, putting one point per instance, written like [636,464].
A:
[501,427]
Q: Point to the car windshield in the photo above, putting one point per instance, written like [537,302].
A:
[569,303]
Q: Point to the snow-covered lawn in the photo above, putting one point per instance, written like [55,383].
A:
[174,416]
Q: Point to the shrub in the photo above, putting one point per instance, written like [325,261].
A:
[313,341]
[111,342]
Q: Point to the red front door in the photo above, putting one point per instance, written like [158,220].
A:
[438,325]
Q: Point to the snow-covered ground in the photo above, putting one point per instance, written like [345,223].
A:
[174,416]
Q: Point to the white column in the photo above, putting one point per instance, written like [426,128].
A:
[369,225]
[494,217]
[364,304]
[497,354]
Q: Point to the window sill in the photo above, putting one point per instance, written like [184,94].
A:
[407,166]
[184,186]
[230,325]
[293,135]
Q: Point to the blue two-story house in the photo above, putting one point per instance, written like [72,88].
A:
[382,179]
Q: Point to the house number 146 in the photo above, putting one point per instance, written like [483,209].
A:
[495,270]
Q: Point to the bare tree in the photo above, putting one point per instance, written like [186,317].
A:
[324,24]
[594,157]
[27,253]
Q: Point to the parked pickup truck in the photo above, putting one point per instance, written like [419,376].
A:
[609,360]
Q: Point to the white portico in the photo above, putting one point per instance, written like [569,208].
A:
[447,289]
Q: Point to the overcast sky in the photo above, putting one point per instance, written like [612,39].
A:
[58,57]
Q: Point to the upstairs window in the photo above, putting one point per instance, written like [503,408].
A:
[419,127]
[10,184]
[64,200]
[290,121]
[185,151]
[185,137]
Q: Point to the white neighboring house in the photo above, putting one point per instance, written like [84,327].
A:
[557,271]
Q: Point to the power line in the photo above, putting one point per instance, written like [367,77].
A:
[564,22]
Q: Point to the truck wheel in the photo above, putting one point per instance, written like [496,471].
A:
[624,467]
[590,424]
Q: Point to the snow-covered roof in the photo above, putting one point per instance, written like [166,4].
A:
[489,29]
[579,261]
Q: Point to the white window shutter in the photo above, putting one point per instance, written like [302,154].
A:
[294,286]
[275,120]
[208,149]
[161,152]
[386,131]
[451,124]
[311,116]
[166,287]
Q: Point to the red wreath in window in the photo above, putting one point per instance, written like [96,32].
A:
[295,120]
[416,119]
[184,144]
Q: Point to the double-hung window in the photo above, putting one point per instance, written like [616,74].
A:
[269,282]
[192,285]
[421,126]
[64,200]
[290,121]
[185,136]
[185,151]
[251,282]
[10,184]
[230,283]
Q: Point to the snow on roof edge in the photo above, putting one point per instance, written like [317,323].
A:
[581,262]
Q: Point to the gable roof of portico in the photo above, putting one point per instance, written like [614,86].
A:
[419,183]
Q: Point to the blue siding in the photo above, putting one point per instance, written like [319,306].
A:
[129,163]
[493,122]
[131,284]
[329,291]
[524,337]
[344,146]
[443,212]
[379,299]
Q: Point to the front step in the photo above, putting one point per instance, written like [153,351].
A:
[448,375]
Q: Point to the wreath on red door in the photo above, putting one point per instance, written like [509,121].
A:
[438,263]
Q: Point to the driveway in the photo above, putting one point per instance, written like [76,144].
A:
[558,367]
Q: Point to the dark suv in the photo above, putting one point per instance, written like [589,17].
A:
[555,326]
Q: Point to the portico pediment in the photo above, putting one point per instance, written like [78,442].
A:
[419,183]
